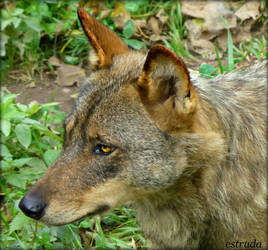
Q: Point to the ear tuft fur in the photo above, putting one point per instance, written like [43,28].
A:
[104,41]
[166,90]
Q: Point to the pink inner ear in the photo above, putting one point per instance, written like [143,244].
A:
[102,39]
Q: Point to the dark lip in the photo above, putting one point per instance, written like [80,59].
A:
[100,210]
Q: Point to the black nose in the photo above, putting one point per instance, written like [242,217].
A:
[33,206]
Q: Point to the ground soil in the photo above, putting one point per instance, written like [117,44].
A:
[43,90]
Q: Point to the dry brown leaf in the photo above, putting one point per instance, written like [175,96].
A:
[203,47]
[155,37]
[161,16]
[68,75]
[54,61]
[195,28]
[59,28]
[203,44]
[105,13]
[250,9]
[75,95]
[153,25]
[198,9]
[211,12]
[141,23]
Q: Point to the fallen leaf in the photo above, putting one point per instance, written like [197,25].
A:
[195,26]
[161,16]
[212,13]
[250,9]
[68,75]
[153,25]
[104,14]
[54,61]
[155,37]
[74,96]
[204,48]
[140,23]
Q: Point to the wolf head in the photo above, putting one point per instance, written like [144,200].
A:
[121,139]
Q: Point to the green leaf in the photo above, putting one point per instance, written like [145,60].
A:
[5,23]
[17,180]
[50,156]
[3,42]
[22,107]
[4,14]
[19,222]
[133,43]
[33,23]
[86,223]
[17,12]
[33,107]
[129,29]
[49,28]
[23,133]
[16,22]
[30,121]
[132,6]
[20,162]
[51,104]
[43,9]
[230,50]
[37,164]
[9,112]
[207,70]
[72,60]
[5,127]
[5,166]
[7,99]
[4,151]
[218,58]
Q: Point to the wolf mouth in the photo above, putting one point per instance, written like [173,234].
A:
[98,211]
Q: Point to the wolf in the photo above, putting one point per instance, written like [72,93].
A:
[189,152]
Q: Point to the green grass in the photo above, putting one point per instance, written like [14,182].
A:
[255,48]
[177,33]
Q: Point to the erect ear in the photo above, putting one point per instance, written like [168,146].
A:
[105,42]
[166,90]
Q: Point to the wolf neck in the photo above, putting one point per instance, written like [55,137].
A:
[164,217]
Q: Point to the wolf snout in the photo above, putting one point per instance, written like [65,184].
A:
[33,206]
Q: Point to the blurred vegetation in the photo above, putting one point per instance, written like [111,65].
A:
[32,31]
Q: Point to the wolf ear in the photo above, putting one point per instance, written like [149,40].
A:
[166,90]
[105,42]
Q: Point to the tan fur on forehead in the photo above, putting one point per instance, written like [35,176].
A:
[103,83]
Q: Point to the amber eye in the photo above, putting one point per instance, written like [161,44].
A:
[101,149]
